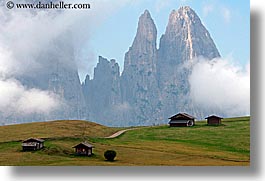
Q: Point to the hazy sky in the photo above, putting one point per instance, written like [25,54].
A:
[227,21]
[108,30]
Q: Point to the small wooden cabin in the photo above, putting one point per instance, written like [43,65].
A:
[181,120]
[214,120]
[32,144]
[84,149]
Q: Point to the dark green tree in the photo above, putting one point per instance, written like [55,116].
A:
[110,155]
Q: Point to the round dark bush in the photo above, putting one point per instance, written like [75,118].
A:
[110,155]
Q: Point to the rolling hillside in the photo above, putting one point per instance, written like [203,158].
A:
[228,144]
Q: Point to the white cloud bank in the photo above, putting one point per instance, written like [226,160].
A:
[17,100]
[24,35]
[219,84]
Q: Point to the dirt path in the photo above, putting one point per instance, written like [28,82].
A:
[118,133]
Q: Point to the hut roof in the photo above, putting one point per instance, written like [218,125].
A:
[182,115]
[214,116]
[33,139]
[85,144]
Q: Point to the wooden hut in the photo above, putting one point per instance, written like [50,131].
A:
[214,120]
[84,149]
[32,144]
[181,119]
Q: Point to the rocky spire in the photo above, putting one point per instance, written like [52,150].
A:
[144,42]
[138,81]
[103,91]
[146,33]
[154,83]
[186,38]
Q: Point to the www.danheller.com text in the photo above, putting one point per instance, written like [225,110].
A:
[47,5]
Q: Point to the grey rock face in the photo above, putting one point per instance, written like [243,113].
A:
[103,92]
[184,40]
[57,73]
[139,83]
[154,83]
[63,80]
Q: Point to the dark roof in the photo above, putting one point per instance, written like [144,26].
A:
[214,116]
[33,139]
[84,144]
[182,115]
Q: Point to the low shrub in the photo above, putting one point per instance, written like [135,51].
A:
[110,155]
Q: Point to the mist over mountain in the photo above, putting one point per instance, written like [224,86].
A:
[185,39]
[155,82]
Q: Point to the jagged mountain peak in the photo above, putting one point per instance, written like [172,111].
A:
[146,14]
[102,60]
[185,9]
[186,37]
[154,82]
[146,28]
[184,16]
[145,18]
[144,44]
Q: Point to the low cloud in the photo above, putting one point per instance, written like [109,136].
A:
[18,100]
[220,85]
[25,36]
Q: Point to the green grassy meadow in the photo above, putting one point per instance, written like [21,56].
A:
[201,145]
